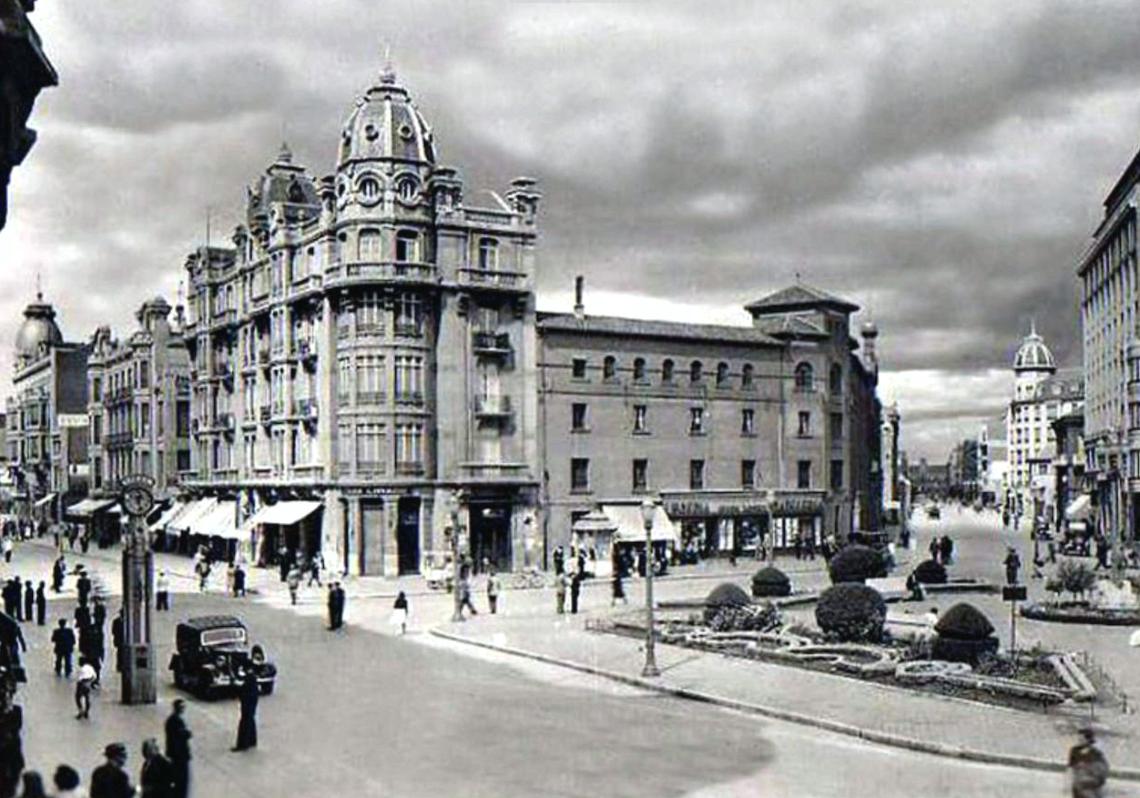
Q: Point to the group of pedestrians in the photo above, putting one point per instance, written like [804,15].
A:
[24,602]
[942,550]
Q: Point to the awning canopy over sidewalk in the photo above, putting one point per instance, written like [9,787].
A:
[1079,509]
[88,507]
[193,512]
[218,521]
[631,529]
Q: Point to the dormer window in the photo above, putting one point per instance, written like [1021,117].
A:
[407,188]
[369,188]
[407,246]
[488,254]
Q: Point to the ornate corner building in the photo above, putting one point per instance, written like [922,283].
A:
[365,349]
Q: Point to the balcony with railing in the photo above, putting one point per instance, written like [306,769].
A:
[494,279]
[408,329]
[493,408]
[223,318]
[385,271]
[409,397]
[409,469]
[491,344]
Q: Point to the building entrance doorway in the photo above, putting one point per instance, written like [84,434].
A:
[408,535]
[490,536]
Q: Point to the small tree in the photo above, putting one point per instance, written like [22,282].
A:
[1076,578]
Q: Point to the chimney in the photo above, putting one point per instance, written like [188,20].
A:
[579,308]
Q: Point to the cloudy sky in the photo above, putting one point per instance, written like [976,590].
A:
[942,164]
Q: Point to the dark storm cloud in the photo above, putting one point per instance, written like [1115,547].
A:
[941,163]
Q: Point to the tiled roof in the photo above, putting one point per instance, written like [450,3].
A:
[799,296]
[642,328]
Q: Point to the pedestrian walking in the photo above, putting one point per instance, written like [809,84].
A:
[7,547]
[58,574]
[11,744]
[1101,552]
[560,593]
[399,616]
[493,591]
[91,648]
[575,589]
[293,579]
[84,683]
[83,587]
[316,565]
[82,617]
[230,570]
[63,645]
[202,569]
[1088,766]
[29,601]
[1012,564]
[946,549]
[283,562]
[117,641]
[337,600]
[239,580]
[41,605]
[559,562]
[98,613]
[617,587]
[156,778]
[12,604]
[110,780]
[798,547]
[935,550]
[178,749]
[247,721]
[465,594]
[162,593]
[67,783]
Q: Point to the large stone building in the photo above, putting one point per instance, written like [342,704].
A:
[364,352]
[24,72]
[46,415]
[738,429]
[1110,313]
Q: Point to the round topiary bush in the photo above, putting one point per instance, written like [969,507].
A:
[761,617]
[770,582]
[723,596]
[857,564]
[851,613]
[930,572]
[964,635]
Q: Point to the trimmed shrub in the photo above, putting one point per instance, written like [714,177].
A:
[1075,577]
[964,622]
[755,618]
[930,572]
[770,582]
[724,595]
[852,613]
[857,564]
[971,651]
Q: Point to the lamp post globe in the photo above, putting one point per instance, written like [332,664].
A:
[648,510]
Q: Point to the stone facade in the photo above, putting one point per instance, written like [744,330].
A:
[368,343]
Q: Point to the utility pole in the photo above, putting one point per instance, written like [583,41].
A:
[138,685]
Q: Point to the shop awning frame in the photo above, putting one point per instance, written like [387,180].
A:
[217,522]
[43,502]
[631,529]
[1079,508]
[284,513]
[193,512]
[85,508]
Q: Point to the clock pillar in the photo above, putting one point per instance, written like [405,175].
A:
[137,653]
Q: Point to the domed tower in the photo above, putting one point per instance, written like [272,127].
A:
[1032,365]
[870,334]
[38,333]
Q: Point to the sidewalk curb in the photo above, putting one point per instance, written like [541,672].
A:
[869,735]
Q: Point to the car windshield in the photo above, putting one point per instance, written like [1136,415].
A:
[223,637]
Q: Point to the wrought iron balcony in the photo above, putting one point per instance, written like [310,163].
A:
[491,344]
[493,279]
[493,408]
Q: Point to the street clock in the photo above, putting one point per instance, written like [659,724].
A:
[137,500]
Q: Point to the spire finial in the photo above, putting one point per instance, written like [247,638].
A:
[285,155]
[1032,326]
[388,74]
[39,285]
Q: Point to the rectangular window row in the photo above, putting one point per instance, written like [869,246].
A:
[698,419]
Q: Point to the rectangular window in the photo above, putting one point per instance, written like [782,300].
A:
[579,474]
[370,314]
[370,379]
[836,426]
[696,474]
[578,368]
[344,380]
[640,475]
[804,428]
[578,417]
[747,473]
[371,446]
[748,421]
[803,474]
[409,447]
[344,452]
[409,315]
[640,423]
[837,475]
[409,379]
[696,421]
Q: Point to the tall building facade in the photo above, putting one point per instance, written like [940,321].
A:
[46,415]
[24,71]
[744,432]
[364,353]
[138,403]
[1027,428]
[1110,312]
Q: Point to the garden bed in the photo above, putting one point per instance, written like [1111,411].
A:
[1080,613]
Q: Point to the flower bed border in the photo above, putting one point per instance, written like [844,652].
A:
[1041,612]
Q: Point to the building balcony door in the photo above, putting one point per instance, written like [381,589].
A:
[408,535]
[490,526]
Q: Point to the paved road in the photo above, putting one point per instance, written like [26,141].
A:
[367,713]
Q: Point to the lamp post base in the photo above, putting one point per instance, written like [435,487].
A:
[650,671]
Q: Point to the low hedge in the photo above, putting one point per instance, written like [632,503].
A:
[851,613]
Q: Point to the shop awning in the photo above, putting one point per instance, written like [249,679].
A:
[169,515]
[284,513]
[194,510]
[87,507]
[46,500]
[594,522]
[217,522]
[1079,508]
[630,528]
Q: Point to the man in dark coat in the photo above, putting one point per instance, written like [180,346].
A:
[117,640]
[337,600]
[29,601]
[83,588]
[110,780]
[98,612]
[82,617]
[946,549]
[41,605]
[559,561]
[91,646]
[1012,564]
[1089,766]
[178,749]
[58,573]
[11,641]
[247,722]
[63,644]
[11,744]
[575,588]
[156,779]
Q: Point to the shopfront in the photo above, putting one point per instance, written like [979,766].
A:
[721,523]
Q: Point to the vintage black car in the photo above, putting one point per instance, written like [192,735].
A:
[212,653]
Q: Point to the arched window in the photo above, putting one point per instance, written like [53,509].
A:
[639,369]
[667,371]
[488,254]
[721,374]
[407,246]
[609,368]
[695,371]
[835,380]
[369,189]
[804,378]
[746,376]
[407,188]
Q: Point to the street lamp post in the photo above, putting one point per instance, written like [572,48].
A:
[138,672]
[454,504]
[648,508]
